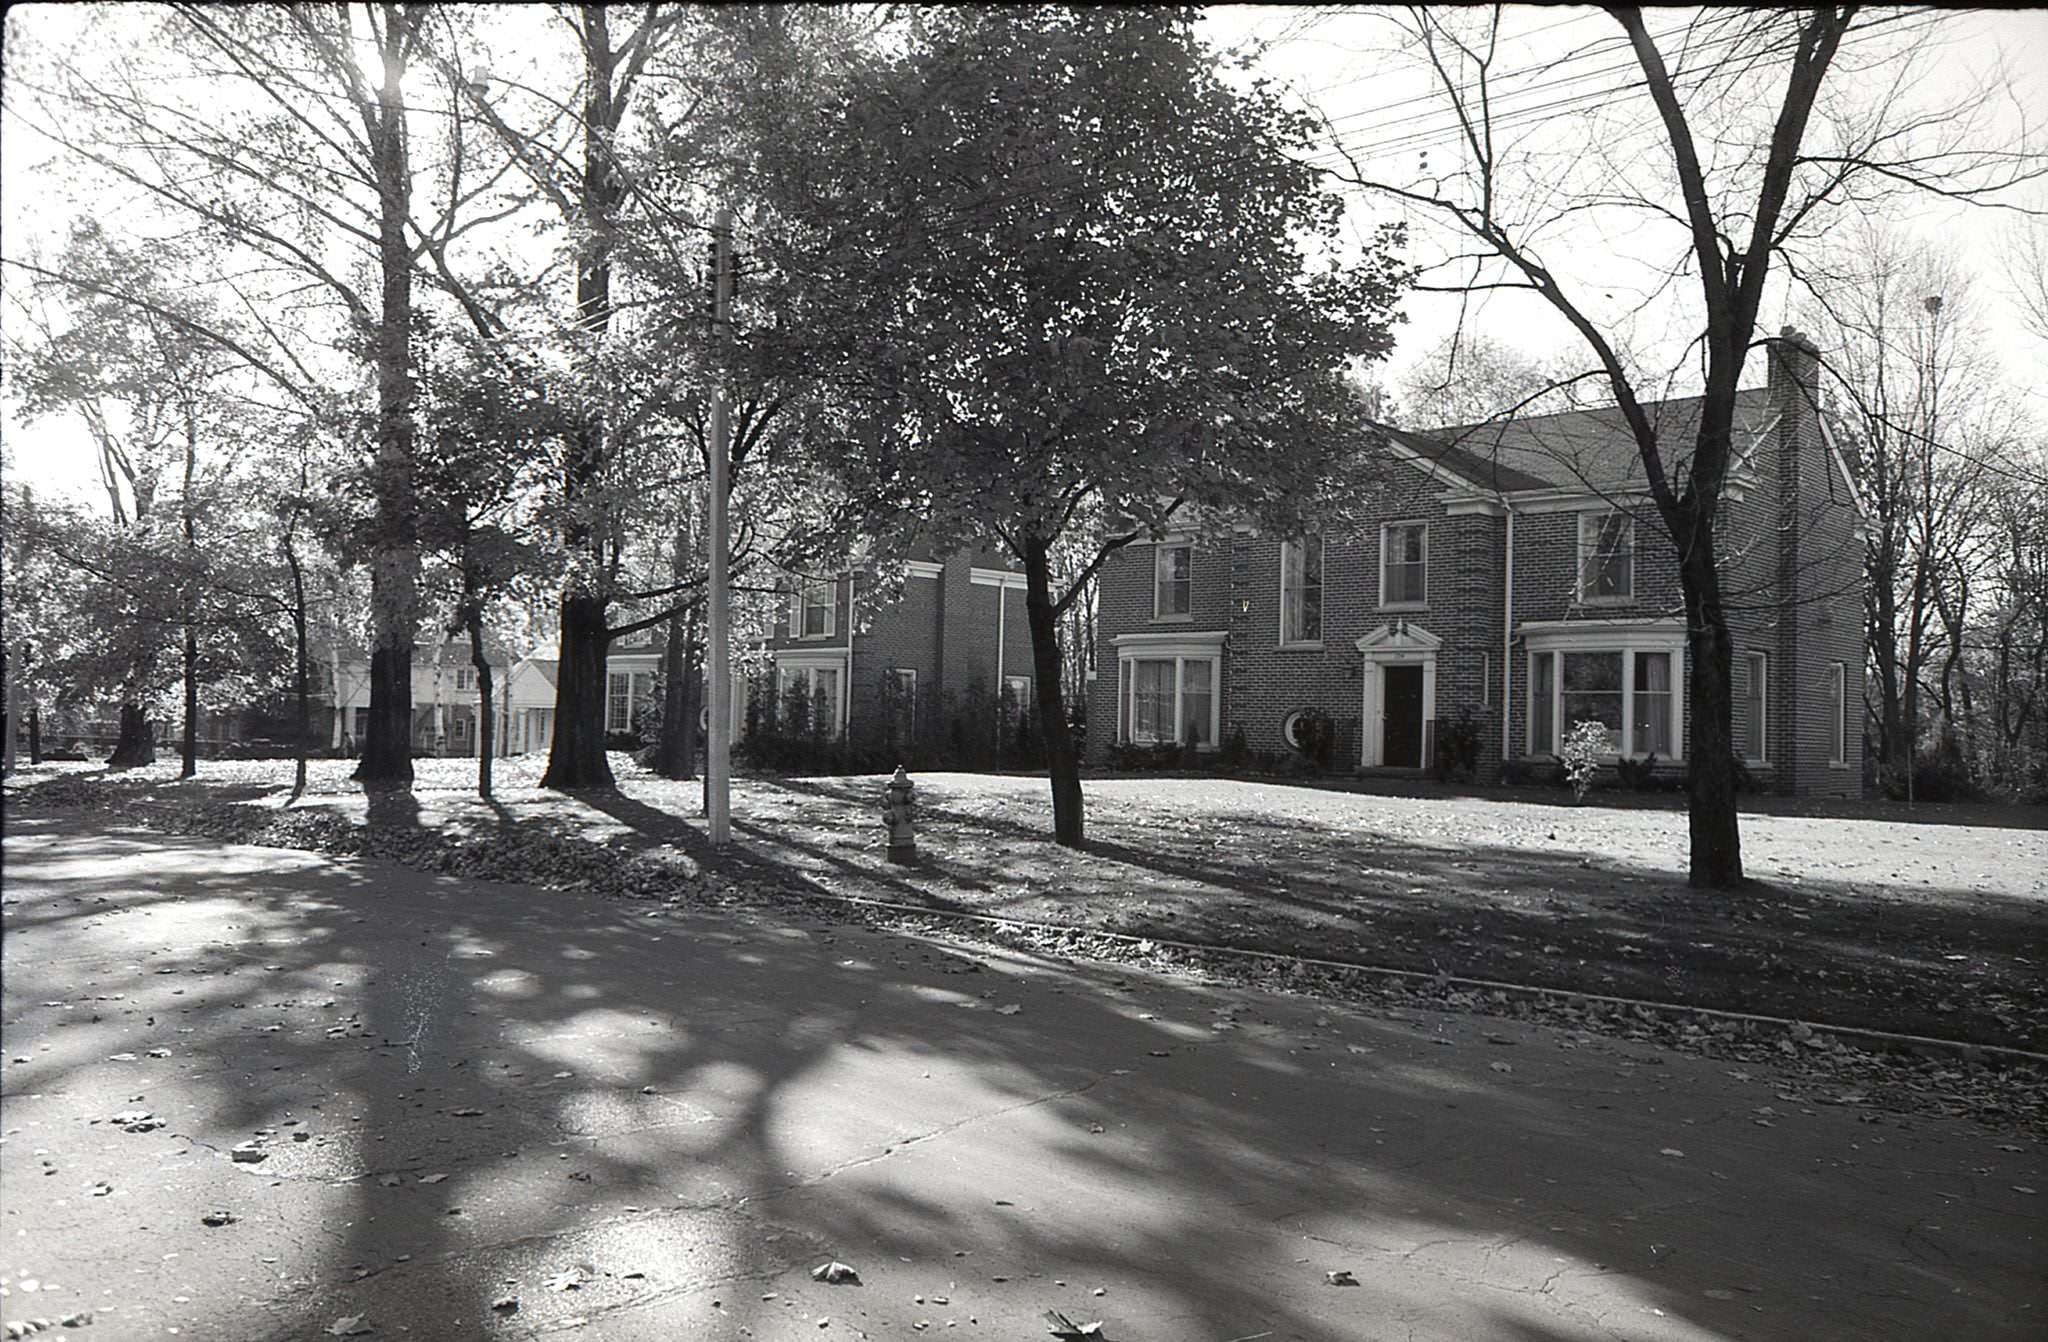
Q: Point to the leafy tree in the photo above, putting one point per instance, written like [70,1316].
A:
[1061,269]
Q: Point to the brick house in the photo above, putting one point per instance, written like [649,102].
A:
[1508,580]
[955,624]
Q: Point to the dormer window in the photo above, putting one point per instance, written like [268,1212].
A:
[1607,558]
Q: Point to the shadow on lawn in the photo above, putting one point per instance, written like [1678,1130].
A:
[1942,963]
[750,1158]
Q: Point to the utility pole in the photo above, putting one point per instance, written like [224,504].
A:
[718,740]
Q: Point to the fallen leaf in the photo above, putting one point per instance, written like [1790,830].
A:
[467,1113]
[1502,1066]
[217,1218]
[1341,1277]
[566,1280]
[1062,1326]
[389,1180]
[835,1273]
[349,1325]
[1009,1010]
[1672,1151]
[432,1178]
[505,1304]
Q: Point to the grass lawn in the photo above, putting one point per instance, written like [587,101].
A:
[1927,928]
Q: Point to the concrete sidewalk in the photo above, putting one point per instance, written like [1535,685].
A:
[654,1126]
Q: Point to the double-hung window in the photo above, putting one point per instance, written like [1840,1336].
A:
[1301,590]
[1631,692]
[813,613]
[1404,564]
[625,693]
[1756,709]
[1607,558]
[1838,713]
[1173,581]
[465,678]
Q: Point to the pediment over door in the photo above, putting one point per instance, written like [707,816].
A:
[1399,636]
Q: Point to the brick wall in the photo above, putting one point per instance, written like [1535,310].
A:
[1821,568]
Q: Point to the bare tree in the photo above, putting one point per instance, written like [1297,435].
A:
[1739,142]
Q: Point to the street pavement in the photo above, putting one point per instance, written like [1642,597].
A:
[643,1124]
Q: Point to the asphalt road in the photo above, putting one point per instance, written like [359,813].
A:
[642,1124]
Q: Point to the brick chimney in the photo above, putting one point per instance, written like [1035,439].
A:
[1794,364]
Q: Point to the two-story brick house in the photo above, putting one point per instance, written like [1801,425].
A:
[1510,579]
[954,624]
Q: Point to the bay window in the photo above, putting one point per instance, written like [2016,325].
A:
[1629,680]
[811,688]
[1168,689]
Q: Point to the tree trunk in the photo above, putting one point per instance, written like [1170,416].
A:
[135,745]
[35,731]
[486,705]
[577,759]
[395,566]
[12,664]
[675,750]
[302,674]
[1068,825]
[1716,847]
[189,764]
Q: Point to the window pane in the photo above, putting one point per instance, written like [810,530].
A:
[1406,575]
[1838,693]
[1196,693]
[1302,589]
[1152,701]
[617,712]
[1541,708]
[1173,574]
[1608,544]
[1652,725]
[1592,691]
[1753,742]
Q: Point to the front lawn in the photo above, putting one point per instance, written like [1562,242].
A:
[1937,929]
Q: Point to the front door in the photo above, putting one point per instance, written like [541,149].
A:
[1402,726]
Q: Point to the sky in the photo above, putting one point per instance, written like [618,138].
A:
[1346,64]
[1571,72]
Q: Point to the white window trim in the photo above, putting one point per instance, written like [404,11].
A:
[1385,527]
[1596,517]
[1626,638]
[786,663]
[1159,549]
[805,587]
[1838,728]
[632,696]
[1486,680]
[1287,549]
[1180,649]
[1753,660]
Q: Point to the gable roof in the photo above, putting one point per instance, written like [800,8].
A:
[1574,449]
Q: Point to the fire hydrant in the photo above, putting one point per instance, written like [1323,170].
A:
[897,796]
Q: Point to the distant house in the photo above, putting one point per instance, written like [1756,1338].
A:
[446,699]
[1511,579]
[957,624]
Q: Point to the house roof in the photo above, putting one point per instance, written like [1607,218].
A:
[546,666]
[1574,449]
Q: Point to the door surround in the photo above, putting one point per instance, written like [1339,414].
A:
[1397,643]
